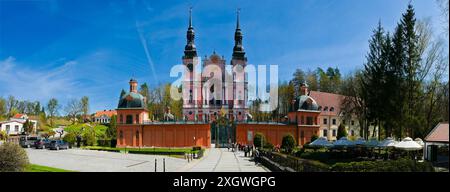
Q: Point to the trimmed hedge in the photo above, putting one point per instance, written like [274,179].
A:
[152,151]
[401,165]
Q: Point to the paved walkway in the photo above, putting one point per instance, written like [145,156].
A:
[222,160]
[102,161]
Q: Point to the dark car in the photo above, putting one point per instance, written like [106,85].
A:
[42,144]
[58,144]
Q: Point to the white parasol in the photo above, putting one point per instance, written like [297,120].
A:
[388,142]
[408,144]
[419,141]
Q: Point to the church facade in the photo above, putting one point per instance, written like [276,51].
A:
[224,91]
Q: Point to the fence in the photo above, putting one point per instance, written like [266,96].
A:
[282,162]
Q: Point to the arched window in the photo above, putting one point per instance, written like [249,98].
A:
[137,119]
[121,118]
[332,109]
[121,134]
[325,109]
[129,119]
[137,137]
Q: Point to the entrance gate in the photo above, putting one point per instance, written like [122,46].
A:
[222,134]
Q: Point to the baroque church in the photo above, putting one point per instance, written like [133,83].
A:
[204,102]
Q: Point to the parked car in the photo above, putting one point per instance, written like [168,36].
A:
[58,144]
[42,144]
[28,141]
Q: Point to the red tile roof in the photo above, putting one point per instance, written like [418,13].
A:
[108,113]
[328,100]
[438,134]
[18,116]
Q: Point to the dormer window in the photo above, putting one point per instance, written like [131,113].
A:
[332,109]
[325,109]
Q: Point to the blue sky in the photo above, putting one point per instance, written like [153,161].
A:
[68,49]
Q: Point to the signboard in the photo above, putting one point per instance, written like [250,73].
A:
[250,136]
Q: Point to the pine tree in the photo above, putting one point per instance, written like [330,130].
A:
[122,93]
[411,67]
[375,74]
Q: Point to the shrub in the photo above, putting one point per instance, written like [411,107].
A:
[258,140]
[314,137]
[268,145]
[70,138]
[12,158]
[341,131]
[89,138]
[3,135]
[401,165]
[288,143]
[196,148]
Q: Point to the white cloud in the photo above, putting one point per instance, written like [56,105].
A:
[33,84]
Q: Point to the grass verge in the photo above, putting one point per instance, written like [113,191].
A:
[41,168]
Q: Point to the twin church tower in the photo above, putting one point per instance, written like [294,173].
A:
[200,100]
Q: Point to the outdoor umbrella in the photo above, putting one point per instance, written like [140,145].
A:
[343,142]
[321,142]
[388,142]
[360,141]
[419,141]
[408,144]
[372,143]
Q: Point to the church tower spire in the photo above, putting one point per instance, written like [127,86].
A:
[238,50]
[189,50]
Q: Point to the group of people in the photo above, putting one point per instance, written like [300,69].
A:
[248,149]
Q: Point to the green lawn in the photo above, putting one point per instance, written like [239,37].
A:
[41,168]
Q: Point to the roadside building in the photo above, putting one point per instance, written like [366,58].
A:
[104,117]
[14,126]
[332,115]
[436,144]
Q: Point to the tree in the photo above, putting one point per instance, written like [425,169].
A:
[37,108]
[144,91]
[85,106]
[354,102]
[411,67]
[297,80]
[111,132]
[11,104]
[3,109]
[285,97]
[28,127]
[73,109]
[342,132]
[52,109]
[288,143]
[259,140]
[374,81]
[122,93]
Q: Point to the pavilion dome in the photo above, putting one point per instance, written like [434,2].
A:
[132,100]
[305,102]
